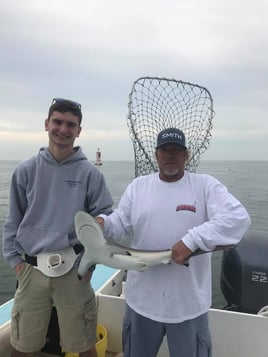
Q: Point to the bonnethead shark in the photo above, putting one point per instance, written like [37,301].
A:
[99,250]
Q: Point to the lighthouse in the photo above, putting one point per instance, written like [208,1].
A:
[98,158]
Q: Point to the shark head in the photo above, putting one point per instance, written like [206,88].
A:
[98,250]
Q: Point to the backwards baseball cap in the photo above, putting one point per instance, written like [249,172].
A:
[171,136]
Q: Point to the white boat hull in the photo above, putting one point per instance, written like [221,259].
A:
[234,334]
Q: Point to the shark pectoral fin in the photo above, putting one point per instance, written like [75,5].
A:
[166,261]
[142,266]
[120,254]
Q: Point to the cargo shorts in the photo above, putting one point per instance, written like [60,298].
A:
[74,301]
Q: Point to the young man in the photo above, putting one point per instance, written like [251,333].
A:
[178,210]
[40,242]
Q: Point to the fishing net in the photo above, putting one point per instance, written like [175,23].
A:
[159,103]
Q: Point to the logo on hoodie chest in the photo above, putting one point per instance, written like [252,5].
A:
[72,183]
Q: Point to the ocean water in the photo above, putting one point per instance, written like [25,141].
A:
[247,180]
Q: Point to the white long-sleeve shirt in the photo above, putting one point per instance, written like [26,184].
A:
[196,209]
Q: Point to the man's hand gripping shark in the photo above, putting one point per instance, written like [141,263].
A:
[98,250]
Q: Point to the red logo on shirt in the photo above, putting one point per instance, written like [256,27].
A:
[186,208]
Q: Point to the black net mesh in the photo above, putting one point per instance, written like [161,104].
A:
[159,103]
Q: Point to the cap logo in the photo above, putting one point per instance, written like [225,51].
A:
[171,135]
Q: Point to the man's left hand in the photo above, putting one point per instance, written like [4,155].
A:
[180,252]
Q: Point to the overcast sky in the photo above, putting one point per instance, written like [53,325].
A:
[93,51]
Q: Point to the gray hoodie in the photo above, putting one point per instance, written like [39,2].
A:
[44,198]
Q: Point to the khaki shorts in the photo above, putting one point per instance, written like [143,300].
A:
[76,308]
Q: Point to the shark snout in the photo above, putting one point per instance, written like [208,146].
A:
[81,219]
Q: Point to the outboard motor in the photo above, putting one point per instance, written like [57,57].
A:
[244,273]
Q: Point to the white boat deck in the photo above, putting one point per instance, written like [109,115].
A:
[233,334]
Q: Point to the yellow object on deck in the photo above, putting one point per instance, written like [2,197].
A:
[101,345]
[102,341]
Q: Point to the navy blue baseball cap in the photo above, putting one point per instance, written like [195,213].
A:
[171,136]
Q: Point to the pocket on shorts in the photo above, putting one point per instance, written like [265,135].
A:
[90,316]
[203,346]
[15,323]
[26,267]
